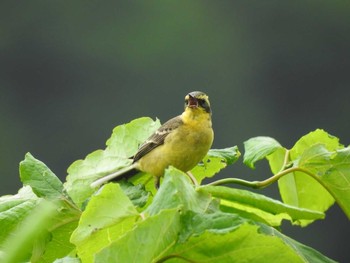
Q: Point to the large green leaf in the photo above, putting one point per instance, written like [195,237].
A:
[19,245]
[125,139]
[41,179]
[332,170]
[147,242]
[243,243]
[257,206]
[54,239]
[123,144]
[258,148]
[301,190]
[305,253]
[13,208]
[55,242]
[108,215]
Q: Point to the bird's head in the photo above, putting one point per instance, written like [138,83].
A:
[197,100]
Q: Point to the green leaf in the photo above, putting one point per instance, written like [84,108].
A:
[148,241]
[299,189]
[305,253]
[41,179]
[13,208]
[195,224]
[245,243]
[177,191]
[258,148]
[108,215]
[208,168]
[228,155]
[123,144]
[145,179]
[55,243]
[318,136]
[53,239]
[136,193]
[332,170]
[18,246]
[214,162]
[269,210]
[126,139]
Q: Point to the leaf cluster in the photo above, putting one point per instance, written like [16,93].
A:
[130,221]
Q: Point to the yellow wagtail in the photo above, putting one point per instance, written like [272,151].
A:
[182,142]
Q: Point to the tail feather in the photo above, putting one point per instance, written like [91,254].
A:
[122,173]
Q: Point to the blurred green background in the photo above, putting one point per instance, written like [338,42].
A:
[72,70]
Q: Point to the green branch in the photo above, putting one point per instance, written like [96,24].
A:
[257,184]
[267,182]
[271,180]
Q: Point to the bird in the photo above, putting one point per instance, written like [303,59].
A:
[181,142]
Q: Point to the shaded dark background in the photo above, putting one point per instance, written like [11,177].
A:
[72,70]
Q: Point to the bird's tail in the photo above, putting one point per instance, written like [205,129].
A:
[122,173]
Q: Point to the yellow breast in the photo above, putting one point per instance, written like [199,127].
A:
[183,148]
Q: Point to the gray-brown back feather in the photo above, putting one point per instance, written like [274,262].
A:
[158,137]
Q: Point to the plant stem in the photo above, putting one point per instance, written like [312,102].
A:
[285,161]
[264,183]
[258,184]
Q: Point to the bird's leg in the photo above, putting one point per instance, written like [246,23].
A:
[156,182]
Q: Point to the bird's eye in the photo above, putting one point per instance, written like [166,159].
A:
[203,103]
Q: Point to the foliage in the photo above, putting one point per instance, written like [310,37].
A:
[48,221]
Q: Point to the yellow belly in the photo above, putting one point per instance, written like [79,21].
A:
[184,148]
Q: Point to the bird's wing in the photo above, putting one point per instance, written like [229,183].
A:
[158,137]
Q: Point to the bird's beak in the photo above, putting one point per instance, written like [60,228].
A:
[192,102]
